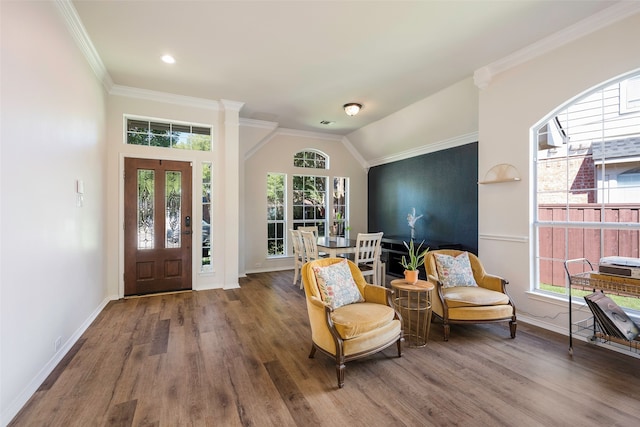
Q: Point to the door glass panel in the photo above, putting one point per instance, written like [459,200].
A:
[173,204]
[206,215]
[146,183]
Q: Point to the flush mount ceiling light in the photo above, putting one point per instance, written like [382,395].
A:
[168,59]
[352,108]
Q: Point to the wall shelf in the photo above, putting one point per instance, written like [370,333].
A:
[503,172]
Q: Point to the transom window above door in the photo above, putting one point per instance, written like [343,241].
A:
[182,136]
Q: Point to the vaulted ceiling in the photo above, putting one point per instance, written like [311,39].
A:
[297,62]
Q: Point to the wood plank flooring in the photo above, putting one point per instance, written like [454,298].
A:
[240,358]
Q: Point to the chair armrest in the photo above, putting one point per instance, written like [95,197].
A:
[317,302]
[377,294]
[438,286]
[493,282]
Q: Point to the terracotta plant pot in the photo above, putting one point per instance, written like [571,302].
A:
[411,276]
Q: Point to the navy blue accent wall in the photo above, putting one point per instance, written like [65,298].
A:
[442,186]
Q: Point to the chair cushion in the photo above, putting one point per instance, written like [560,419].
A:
[455,271]
[353,320]
[465,296]
[336,284]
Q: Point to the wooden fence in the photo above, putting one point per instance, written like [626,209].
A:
[557,244]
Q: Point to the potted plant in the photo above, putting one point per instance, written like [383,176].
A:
[339,227]
[416,259]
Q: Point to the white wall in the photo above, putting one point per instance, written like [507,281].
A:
[442,120]
[157,106]
[52,269]
[277,156]
[514,102]
[60,263]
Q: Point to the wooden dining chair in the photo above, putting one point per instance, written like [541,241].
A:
[367,256]
[310,242]
[298,254]
[314,230]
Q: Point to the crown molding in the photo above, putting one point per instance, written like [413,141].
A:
[309,134]
[482,77]
[83,41]
[169,98]
[429,148]
[275,131]
[259,124]
[356,154]
[326,136]
[232,105]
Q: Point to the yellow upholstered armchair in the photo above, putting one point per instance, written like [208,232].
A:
[349,318]
[464,296]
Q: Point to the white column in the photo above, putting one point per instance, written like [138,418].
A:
[231,192]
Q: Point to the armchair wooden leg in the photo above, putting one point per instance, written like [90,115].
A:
[399,344]
[340,372]
[313,351]
[512,328]
[447,329]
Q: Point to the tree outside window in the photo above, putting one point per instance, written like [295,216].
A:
[310,202]
[276,214]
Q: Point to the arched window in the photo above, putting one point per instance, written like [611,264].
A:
[587,196]
[315,200]
[311,159]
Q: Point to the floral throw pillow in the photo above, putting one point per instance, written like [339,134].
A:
[337,287]
[455,271]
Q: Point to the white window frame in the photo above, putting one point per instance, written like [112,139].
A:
[573,147]
[322,223]
[278,223]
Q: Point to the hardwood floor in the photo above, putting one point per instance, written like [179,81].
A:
[240,358]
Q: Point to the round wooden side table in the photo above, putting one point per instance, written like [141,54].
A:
[414,304]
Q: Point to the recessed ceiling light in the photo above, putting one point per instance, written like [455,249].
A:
[168,59]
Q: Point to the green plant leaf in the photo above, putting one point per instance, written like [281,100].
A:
[416,258]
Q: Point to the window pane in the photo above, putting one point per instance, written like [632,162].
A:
[138,126]
[160,141]
[206,215]
[137,132]
[168,135]
[179,136]
[146,209]
[173,205]
[200,142]
[309,201]
[137,139]
[159,128]
[340,212]
[275,214]
[310,159]
[160,135]
[587,184]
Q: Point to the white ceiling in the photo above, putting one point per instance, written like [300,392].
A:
[297,62]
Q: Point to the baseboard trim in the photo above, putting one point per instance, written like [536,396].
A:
[22,399]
